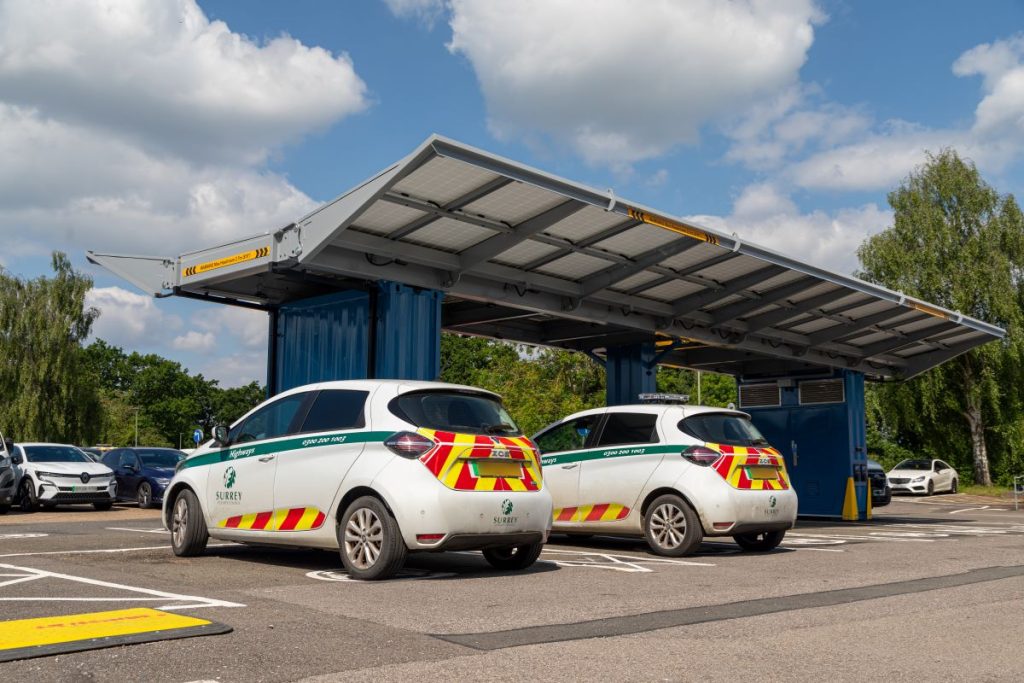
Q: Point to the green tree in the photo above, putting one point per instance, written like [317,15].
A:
[49,393]
[957,242]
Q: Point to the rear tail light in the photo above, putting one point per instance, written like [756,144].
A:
[408,444]
[700,455]
[429,538]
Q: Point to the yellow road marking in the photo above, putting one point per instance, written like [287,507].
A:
[68,628]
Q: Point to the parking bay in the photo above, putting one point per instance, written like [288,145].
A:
[603,603]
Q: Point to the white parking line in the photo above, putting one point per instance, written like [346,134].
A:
[191,601]
[105,550]
[159,530]
[953,512]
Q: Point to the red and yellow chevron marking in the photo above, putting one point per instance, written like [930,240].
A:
[459,461]
[735,461]
[601,512]
[282,519]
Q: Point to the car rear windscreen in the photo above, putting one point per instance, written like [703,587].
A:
[723,428]
[455,411]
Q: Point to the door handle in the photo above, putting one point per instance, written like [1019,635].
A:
[570,466]
[266,458]
[796,456]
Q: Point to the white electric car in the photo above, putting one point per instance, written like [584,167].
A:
[51,474]
[374,468]
[670,473]
[923,476]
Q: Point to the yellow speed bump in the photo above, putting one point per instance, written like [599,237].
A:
[40,637]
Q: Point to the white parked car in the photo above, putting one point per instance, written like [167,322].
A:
[374,468]
[923,476]
[670,473]
[51,474]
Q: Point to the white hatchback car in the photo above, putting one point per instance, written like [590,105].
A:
[51,474]
[671,473]
[923,476]
[374,468]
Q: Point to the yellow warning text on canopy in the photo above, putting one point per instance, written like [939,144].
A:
[73,627]
[234,259]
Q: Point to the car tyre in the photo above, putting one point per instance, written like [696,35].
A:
[369,541]
[671,527]
[27,496]
[513,557]
[759,541]
[103,507]
[931,488]
[954,486]
[188,528]
[145,496]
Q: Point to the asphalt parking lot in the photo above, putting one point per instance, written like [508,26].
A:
[931,588]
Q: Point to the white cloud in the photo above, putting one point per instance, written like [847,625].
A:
[624,81]
[764,215]
[128,319]
[236,369]
[796,121]
[427,11]
[881,157]
[246,327]
[142,127]
[164,76]
[199,342]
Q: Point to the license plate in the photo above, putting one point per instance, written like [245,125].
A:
[498,468]
[878,492]
[759,472]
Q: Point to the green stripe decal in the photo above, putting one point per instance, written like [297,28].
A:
[280,446]
[603,453]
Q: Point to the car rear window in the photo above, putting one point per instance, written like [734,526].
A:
[455,411]
[336,409]
[723,428]
[624,428]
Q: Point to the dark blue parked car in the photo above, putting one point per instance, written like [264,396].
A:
[142,473]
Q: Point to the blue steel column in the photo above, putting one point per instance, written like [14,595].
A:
[630,371]
[857,415]
[407,328]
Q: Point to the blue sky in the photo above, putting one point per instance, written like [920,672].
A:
[140,127]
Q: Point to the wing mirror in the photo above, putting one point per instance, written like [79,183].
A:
[220,435]
[16,459]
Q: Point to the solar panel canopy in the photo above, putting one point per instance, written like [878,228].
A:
[529,257]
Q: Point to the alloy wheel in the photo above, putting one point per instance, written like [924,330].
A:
[179,521]
[364,538]
[668,525]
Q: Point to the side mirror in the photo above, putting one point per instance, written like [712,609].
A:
[16,459]
[220,435]
[131,467]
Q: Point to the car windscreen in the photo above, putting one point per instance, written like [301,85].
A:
[914,465]
[159,457]
[55,454]
[723,428]
[455,411]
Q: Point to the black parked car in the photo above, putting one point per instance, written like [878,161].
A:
[142,473]
[881,494]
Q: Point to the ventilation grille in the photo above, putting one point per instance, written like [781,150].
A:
[823,391]
[756,395]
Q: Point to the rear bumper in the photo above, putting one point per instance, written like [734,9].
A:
[744,511]
[482,541]
[468,519]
